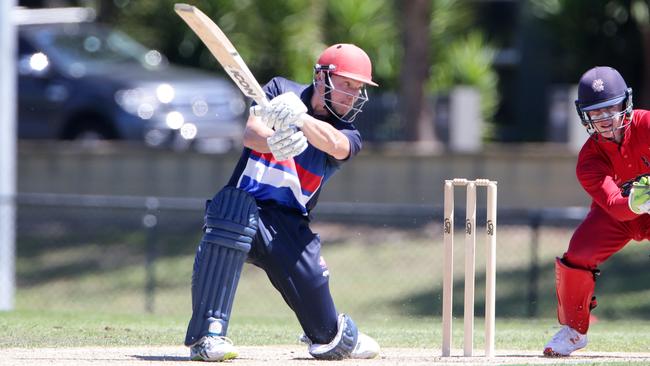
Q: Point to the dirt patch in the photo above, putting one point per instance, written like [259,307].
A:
[289,355]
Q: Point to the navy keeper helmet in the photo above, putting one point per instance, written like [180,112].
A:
[602,87]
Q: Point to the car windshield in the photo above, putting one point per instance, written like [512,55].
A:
[95,46]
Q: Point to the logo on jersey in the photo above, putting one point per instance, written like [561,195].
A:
[323,266]
[645,161]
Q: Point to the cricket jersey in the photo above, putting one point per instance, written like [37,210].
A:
[294,183]
[604,166]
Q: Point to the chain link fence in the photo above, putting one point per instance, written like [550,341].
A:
[135,255]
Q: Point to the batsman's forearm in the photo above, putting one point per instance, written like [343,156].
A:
[326,138]
[255,135]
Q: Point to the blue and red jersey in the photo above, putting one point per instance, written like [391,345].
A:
[296,182]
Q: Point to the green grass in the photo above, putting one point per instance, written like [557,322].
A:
[375,273]
[30,329]
[90,291]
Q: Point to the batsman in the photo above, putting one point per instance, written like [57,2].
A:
[614,168]
[291,148]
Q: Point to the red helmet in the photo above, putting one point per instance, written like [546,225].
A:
[347,60]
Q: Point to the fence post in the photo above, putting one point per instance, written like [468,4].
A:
[533,274]
[150,222]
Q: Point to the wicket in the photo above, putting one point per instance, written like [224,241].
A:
[470,247]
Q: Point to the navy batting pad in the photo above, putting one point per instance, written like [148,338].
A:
[230,224]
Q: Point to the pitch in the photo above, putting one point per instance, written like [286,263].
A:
[294,355]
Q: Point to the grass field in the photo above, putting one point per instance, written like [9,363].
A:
[74,329]
[389,280]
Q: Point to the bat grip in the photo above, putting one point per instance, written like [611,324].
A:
[256,110]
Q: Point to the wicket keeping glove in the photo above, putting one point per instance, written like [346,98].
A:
[627,186]
[283,111]
[287,143]
[639,198]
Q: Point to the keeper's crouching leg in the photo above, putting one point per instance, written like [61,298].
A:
[575,289]
[575,300]
[231,221]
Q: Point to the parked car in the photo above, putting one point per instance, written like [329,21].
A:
[80,80]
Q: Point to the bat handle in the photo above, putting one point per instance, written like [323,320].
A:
[256,110]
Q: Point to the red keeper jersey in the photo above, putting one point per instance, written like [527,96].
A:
[603,166]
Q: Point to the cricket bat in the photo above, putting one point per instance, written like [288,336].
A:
[223,50]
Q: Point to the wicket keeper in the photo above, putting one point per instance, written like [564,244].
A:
[291,148]
[614,168]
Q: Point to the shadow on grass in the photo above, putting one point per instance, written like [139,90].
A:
[64,243]
[624,279]
[70,243]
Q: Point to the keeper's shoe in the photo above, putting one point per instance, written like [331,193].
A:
[366,347]
[213,348]
[564,342]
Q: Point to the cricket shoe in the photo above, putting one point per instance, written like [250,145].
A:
[366,347]
[213,348]
[564,342]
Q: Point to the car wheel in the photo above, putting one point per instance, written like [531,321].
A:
[89,128]
[90,135]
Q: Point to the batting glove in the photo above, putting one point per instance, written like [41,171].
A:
[283,112]
[287,143]
[639,198]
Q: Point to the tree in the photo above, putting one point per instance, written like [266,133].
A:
[462,57]
[285,38]
[640,11]
[415,20]
[599,32]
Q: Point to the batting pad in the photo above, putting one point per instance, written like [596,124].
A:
[343,343]
[230,225]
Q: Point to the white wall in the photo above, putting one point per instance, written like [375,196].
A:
[528,177]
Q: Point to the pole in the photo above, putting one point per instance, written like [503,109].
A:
[7,156]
